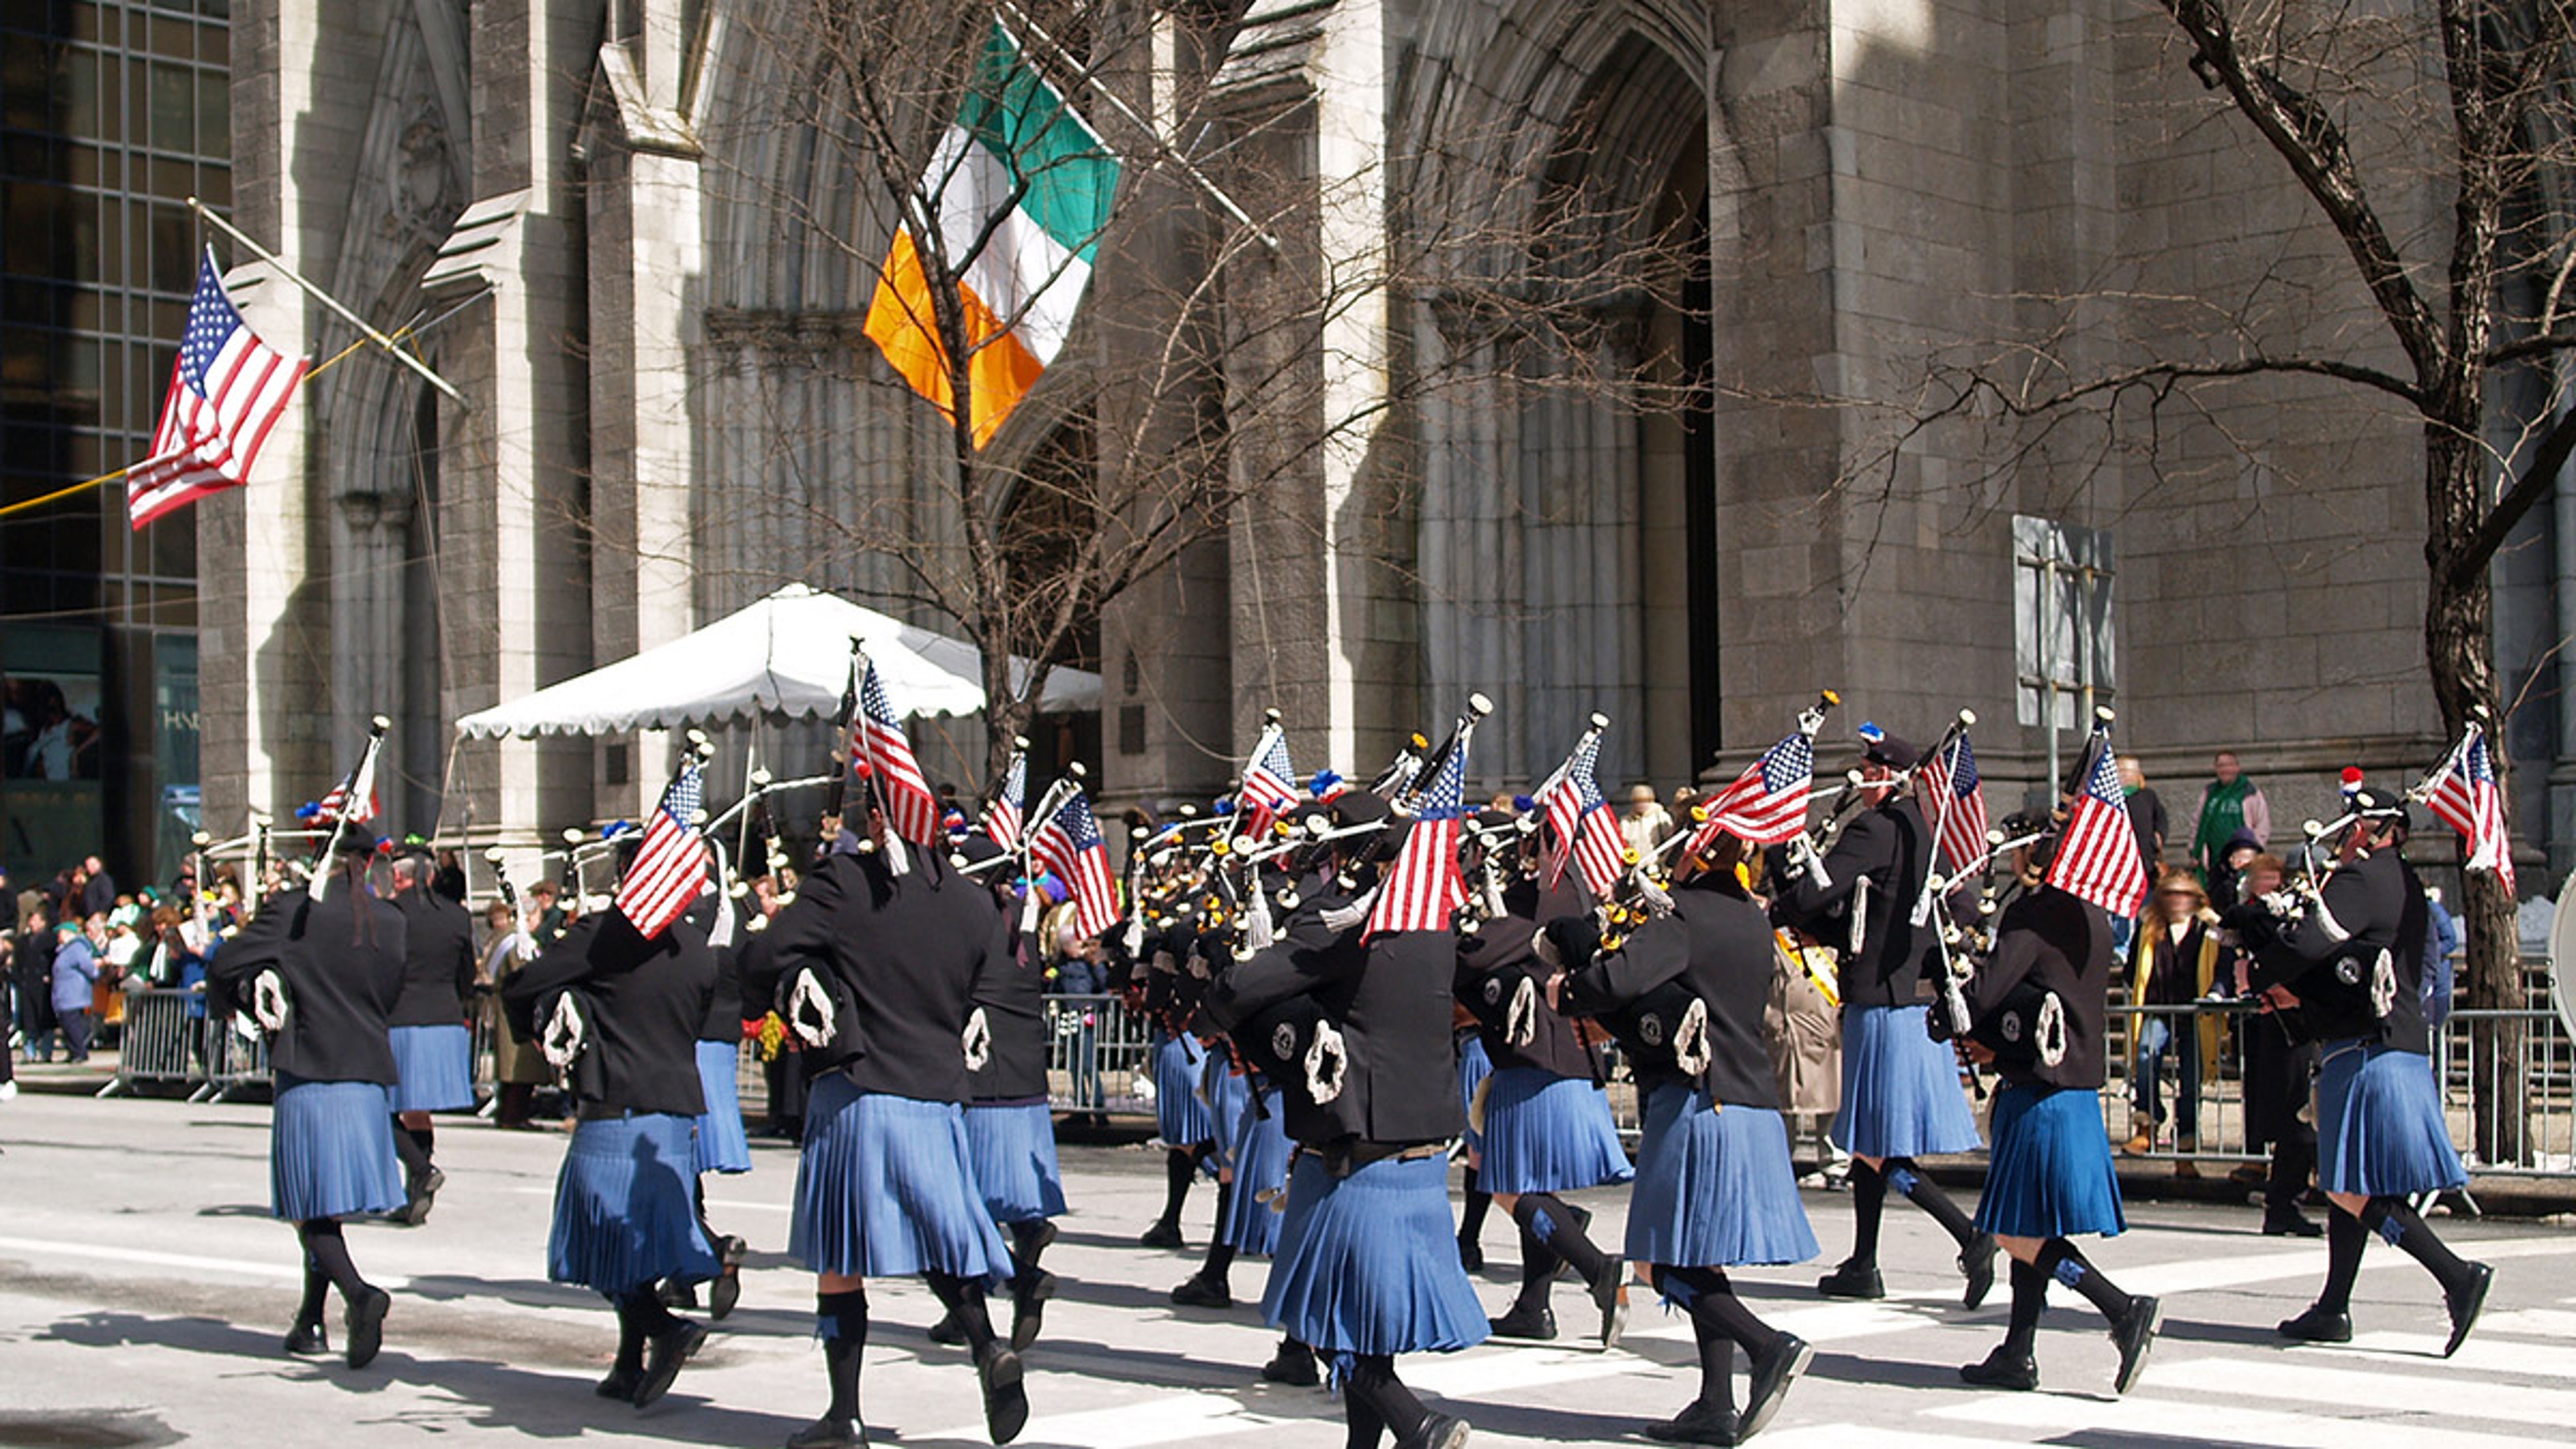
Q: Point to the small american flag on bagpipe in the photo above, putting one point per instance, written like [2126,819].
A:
[911,809]
[1424,887]
[670,868]
[1586,830]
[2097,851]
[1269,781]
[2463,793]
[1002,819]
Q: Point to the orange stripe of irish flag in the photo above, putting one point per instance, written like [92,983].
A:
[1000,371]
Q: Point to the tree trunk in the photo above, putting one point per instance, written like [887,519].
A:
[2459,650]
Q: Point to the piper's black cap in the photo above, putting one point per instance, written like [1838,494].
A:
[2021,823]
[1358,807]
[1496,819]
[2373,803]
[1886,749]
[977,847]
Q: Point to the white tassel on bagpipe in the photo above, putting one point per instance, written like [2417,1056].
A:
[810,1013]
[567,1032]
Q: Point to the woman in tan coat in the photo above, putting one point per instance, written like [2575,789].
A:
[2174,961]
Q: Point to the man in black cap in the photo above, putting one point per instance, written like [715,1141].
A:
[1901,1097]
[2351,971]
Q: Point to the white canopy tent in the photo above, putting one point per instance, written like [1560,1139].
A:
[787,655]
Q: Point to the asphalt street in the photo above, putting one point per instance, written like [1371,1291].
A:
[144,1292]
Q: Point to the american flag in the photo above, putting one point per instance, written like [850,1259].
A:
[1002,816]
[670,869]
[1586,832]
[1068,846]
[2464,794]
[227,390]
[1767,804]
[1963,823]
[2097,853]
[1424,885]
[905,797]
[1269,782]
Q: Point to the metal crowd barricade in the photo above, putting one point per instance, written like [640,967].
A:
[161,1042]
[1100,1057]
[2509,1090]
[2218,1091]
[234,1062]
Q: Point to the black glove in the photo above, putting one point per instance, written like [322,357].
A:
[1577,940]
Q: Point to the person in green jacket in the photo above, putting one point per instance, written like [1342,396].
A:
[2229,803]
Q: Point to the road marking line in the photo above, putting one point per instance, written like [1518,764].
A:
[113,1253]
[2298,1379]
[2172,1421]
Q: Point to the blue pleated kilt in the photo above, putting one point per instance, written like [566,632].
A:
[886,1189]
[722,1147]
[1260,1153]
[1475,1064]
[1368,1264]
[1180,1117]
[625,1206]
[1013,1146]
[1901,1093]
[2380,1128]
[331,1150]
[1715,1187]
[436,1065]
[1228,1097]
[2050,1175]
[1546,1133]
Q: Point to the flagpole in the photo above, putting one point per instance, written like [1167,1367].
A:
[1117,103]
[327,300]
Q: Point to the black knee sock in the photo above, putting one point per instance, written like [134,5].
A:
[1543,1216]
[1373,1381]
[315,1286]
[1179,1166]
[1365,1428]
[1707,1296]
[698,1201]
[2029,1296]
[1220,1253]
[1028,1240]
[2392,1218]
[415,1160]
[427,1138]
[1869,1203]
[2060,1260]
[630,1337]
[651,1314]
[1471,1216]
[325,1249]
[2294,1160]
[964,1297]
[2346,1236]
[1716,1364]
[1908,1179]
[842,1319]
[1538,1267]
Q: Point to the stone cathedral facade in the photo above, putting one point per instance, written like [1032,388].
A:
[670,410]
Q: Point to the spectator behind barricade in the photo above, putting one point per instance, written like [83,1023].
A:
[550,917]
[98,888]
[519,1066]
[2230,802]
[2174,965]
[32,960]
[2227,879]
[450,879]
[1645,821]
[1078,966]
[75,986]
[2146,814]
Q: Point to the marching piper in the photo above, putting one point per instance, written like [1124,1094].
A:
[1543,1120]
[1900,1091]
[321,972]
[433,1048]
[1366,1269]
[876,970]
[1174,973]
[2349,975]
[621,1011]
[1715,1186]
[2039,1002]
[719,1144]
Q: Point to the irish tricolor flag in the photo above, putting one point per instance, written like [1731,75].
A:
[1020,163]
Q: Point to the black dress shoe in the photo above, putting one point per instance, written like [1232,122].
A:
[1773,1372]
[1162,1235]
[1610,1295]
[2291,1224]
[2005,1368]
[1852,1280]
[2318,1325]
[669,1349]
[1436,1431]
[1701,1423]
[1201,1291]
[1006,1400]
[2134,1332]
[724,1293]
[1471,1255]
[1029,1295]
[1535,1322]
[948,1332]
[418,1199]
[2465,1304]
[307,1337]
[620,1383]
[1977,1260]
[366,1324]
[1293,1365]
[830,1433]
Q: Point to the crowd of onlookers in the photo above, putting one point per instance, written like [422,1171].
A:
[78,941]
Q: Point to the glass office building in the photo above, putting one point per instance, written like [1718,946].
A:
[114,114]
